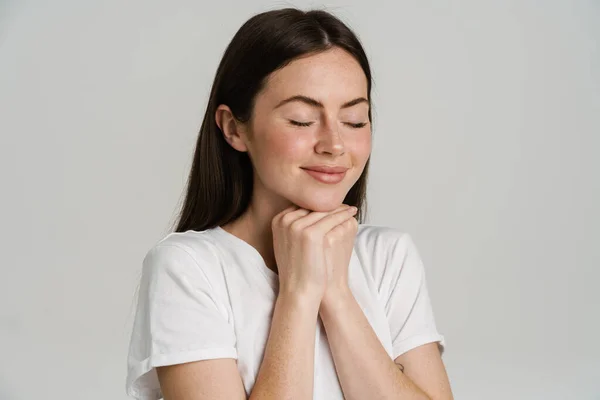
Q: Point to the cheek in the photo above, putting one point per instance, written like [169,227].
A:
[287,147]
[274,149]
[361,147]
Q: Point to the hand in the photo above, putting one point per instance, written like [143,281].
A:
[302,243]
[338,251]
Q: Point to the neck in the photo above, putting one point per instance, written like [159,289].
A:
[254,227]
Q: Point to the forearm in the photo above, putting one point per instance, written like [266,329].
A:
[287,369]
[365,371]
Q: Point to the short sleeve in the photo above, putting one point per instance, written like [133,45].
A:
[407,305]
[178,319]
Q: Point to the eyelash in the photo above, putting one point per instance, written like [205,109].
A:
[298,123]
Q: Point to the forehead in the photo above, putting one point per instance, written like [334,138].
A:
[333,77]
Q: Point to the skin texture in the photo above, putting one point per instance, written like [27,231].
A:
[305,234]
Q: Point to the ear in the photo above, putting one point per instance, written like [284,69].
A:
[233,131]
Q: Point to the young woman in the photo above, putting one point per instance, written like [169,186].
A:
[269,288]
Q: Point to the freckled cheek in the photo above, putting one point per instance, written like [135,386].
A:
[290,148]
[360,147]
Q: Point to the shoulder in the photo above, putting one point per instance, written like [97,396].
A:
[190,253]
[381,238]
[195,243]
[387,253]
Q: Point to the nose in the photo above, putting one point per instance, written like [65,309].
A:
[330,142]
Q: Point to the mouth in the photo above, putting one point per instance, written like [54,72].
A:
[327,177]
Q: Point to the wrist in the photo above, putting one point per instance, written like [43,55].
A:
[335,299]
[299,300]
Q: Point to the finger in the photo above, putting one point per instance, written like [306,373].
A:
[316,216]
[328,222]
[290,217]
[340,230]
[285,211]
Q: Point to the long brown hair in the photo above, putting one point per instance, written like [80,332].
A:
[220,183]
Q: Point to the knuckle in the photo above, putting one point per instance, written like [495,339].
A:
[331,239]
[352,226]
[275,222]
[287,219]
[334,235]
[296,228]
[310,235]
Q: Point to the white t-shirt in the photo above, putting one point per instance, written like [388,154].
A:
[209,294]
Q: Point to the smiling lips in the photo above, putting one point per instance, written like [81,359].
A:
[326,174]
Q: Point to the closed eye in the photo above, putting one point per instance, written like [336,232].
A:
[357,125]
[298,123]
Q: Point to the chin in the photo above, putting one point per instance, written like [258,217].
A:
[319,205]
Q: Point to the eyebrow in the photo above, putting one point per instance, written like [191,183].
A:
[315,103]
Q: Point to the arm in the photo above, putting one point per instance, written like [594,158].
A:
[286,371]
[367,371]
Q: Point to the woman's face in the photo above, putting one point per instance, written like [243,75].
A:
[326,125]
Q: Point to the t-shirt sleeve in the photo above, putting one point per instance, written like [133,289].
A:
[178,319]
[407,304]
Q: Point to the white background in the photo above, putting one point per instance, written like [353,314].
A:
[486,150]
